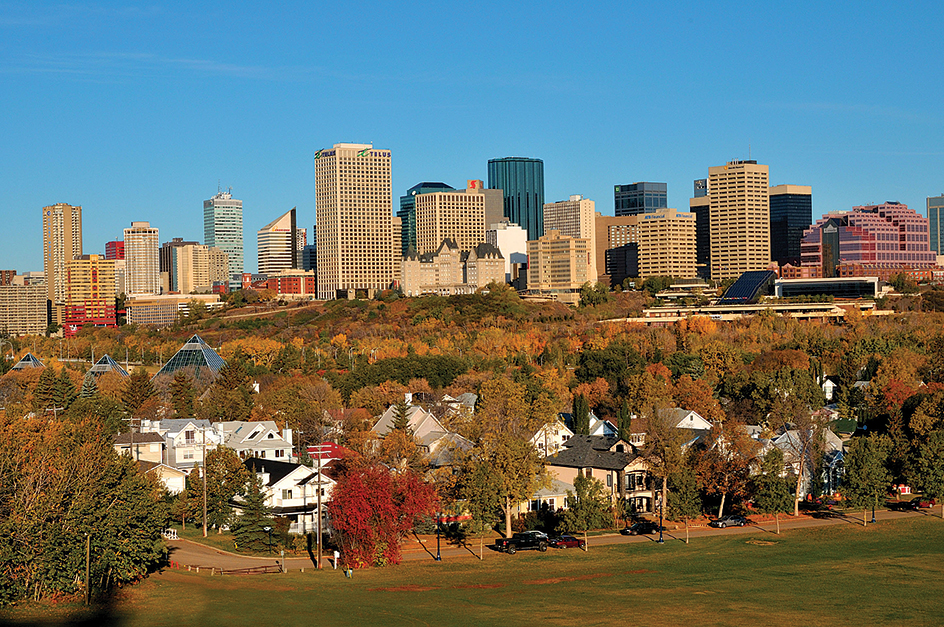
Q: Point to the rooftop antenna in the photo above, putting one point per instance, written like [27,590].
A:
[219,188]
[748,152]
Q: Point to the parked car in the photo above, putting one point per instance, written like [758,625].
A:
[731,520]
[643,527]
[522,541]
[565,541]
[926,503]
[902,506]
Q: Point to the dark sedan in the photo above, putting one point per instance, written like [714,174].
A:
[643,527]
[566,542]
[731,520]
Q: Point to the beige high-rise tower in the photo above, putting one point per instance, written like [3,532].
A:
[459,215]
[574,218]
[353,217]
[142,259]
[739,216]
[62,242]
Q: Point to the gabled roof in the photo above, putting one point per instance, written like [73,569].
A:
[139,438]
[28,361]
[107,364]
[176,425]
[276,470]
[487,250]
[195,353]
[591,451]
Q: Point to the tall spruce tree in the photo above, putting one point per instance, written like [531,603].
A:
[65,390]
[182,393]
[249,528]
[581,415]
[89,386]
[137,389]
[45,394]
[401,419]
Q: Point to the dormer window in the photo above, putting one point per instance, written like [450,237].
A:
[271,436]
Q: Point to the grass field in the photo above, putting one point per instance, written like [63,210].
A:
[889,573]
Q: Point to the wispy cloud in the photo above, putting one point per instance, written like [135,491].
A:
[851,108]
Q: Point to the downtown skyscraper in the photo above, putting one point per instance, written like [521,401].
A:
[223,228]
[353,220]
[521,179]
[62,242]
[739,218]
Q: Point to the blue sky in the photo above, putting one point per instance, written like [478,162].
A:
[136,111]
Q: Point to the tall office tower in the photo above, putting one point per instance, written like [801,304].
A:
[739,213]
[511,241]
[558,266]
[791,213]
[574,218]
[62,242]
[667,244]
[619,234]
[6,277]
[700,188]
[277,244]
[115,250]
[874,240]
[309,258]
[522,183]
[460,216]
[701,207]
[935,211]
[407,212]
[90,294]
[301,240]
[195,268]
[637,198]
[223,228]
[167,256]
[142,259]
[23,309]
[353,221]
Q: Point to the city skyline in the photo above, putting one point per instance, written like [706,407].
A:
[141,139]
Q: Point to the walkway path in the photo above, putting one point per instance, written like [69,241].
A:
[187,552]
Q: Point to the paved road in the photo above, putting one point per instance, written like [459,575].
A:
[191,553]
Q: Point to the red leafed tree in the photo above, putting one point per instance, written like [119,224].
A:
[372,510]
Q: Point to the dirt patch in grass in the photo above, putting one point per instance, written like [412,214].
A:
[756,542]
[540,582]
[641,571]
[409,588]
[479,586]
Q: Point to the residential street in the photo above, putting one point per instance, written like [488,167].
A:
[190,553]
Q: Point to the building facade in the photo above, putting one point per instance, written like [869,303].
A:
[278,244]
[115,250]
[407,212]
[167,257]
[872,240]
[637,198]
[512,241]
[294,284]
[457,215]
[142,259]
[612,233]
[165,310]
[23,309]
[196,268]
[791,213]
[353,221]
[558,266]
[90,294]
[223,229]
[521,180]
[62,242]
[935,227]
[574,217]
[667,244]
[739,218]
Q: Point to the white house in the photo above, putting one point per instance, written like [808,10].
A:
[291,490]
[174,480]
[184,440]
[437,443]
[551,437]
[260,439]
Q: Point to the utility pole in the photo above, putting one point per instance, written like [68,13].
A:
[318,526]
[204,482]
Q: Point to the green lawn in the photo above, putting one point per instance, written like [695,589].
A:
[888,573]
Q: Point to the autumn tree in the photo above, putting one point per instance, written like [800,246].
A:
[696,395]
[663,448]
[588,506]
[805,439]
[866,478]
[684,502]
[136,391]
[230,396]
[227,477]
[724,462]
[373,509]
[930,467]
[771,489]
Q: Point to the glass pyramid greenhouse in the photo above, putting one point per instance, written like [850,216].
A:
[196,354]
[107,364]
[28,361]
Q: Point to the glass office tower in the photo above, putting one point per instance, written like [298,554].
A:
[632,200]
[791,213]
[935,210]
[521,180]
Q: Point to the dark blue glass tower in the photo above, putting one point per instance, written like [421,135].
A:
[407,211]
[791,213]
[632,200]
[522,182]
[935,213]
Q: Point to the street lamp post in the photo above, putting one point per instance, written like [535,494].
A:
[268,530]
[661,540]
[438,520]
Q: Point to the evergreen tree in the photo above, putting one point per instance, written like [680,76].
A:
[89,386]
[624,421]
[65,390]
[44,396]
[138,389]
[581,415]
[249,528]
[183,394]
[230,396]
[401,420]
[930,466]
